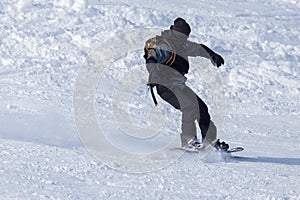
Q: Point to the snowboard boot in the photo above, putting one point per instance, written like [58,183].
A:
[221,145]
[192,145]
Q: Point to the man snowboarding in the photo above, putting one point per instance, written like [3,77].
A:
[167,63]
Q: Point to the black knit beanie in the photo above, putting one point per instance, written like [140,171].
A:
[181,26]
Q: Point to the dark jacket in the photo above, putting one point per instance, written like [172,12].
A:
[175,42]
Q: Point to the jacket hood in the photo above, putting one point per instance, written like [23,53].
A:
[176,37]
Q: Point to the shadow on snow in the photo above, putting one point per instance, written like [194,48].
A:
[284,161]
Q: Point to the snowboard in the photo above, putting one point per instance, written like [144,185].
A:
[233,149]
[230,150]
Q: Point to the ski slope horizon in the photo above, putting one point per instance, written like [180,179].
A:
[45,44]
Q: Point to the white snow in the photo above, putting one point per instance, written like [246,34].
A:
[45,44]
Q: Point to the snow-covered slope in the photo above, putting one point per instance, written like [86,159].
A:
[45,44]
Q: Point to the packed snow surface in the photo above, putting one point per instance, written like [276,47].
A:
[254,99]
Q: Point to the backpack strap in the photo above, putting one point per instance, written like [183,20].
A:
[171,60]
[153,95]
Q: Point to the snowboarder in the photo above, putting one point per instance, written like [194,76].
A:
[167,63]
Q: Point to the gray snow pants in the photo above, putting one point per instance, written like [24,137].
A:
[193,108]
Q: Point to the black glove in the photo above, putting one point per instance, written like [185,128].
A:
[215,58]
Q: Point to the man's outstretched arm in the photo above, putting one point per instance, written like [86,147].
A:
[194,49]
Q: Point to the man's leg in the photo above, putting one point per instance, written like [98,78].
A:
[182,98]
[204,120]
[207,127]
[211,135]
[167,95]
